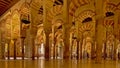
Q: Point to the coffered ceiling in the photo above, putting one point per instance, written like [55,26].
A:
[6,4]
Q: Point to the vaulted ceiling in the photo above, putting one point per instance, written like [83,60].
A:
[6,4]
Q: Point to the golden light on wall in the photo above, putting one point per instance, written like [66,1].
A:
[25,17]
[40,36]
[15,25]
[8,27]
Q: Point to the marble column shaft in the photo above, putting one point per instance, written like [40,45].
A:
[99,29]
[66,29]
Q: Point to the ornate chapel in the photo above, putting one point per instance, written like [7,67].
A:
[60,29]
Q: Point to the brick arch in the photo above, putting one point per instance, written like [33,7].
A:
[82,16]
[25,8]
[58,32]
[75,4]
[38,19]
[85,14]
[55,11]
[111,7]
[57,21]
[85,27]
[108,22]
[25,11]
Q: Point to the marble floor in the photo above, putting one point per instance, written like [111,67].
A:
[57,64]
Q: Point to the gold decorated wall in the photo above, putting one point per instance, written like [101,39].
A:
[74,26]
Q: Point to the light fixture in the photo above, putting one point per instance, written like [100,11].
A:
[25,17]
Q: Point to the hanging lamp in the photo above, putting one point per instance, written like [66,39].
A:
[25,18]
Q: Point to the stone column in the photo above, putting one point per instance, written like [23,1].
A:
[93,50]
[22,44]
[2,44]
[54,51]
[53,36]
[116,34]
[99,29]
[15,48]
[8,49]
[22,37]
[81,48]
[38,51]
[66,44]
[33,26]
[33,47]
[99,35]
[47,28]
[2,50]
[66,29]
[47,47]
[78,49]
[33,35]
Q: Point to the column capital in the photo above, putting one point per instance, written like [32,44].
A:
[48,30]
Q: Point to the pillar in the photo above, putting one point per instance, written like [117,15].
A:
[53,41]
[78,49]
[33,35]
[22,45]
[116,34]
[33,26]
[54,51]
[66,45]
[47,28]
[81,48]
[93,50]
[115,50]
[66,30]
[33,47]
[22,37]
[2,45]
[38,45]
[8,51]
[47,47]
[99,42]
[104,50]
[15,48]
[99,29]
[2,50]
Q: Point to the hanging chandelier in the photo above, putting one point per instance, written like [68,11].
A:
[25,16]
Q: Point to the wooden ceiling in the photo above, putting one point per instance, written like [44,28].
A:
[6,4]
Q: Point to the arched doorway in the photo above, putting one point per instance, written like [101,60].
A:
[110,47]
[74,48]
[87,45]
[59,45]
[57,39]
[39,43]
